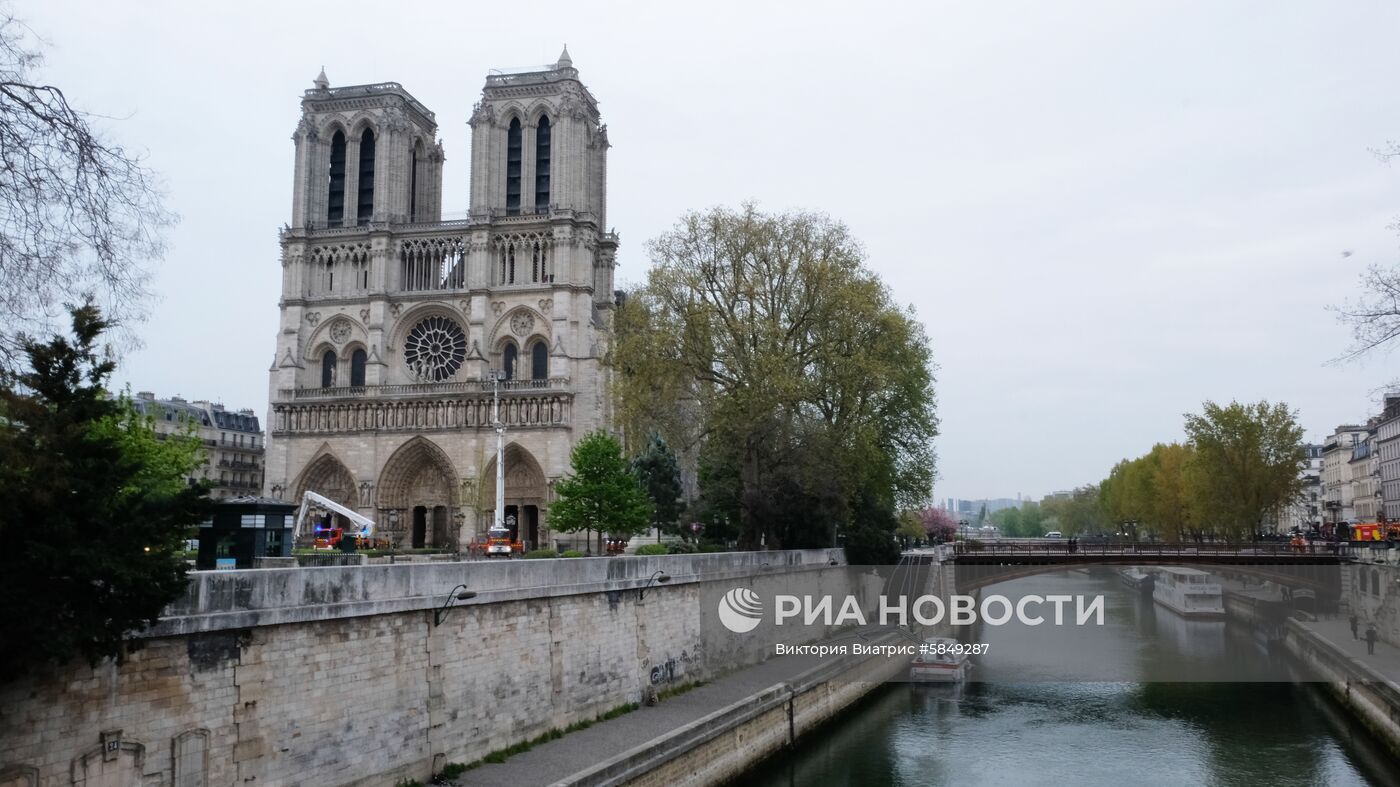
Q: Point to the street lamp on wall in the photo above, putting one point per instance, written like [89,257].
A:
[459,593]
[657,577]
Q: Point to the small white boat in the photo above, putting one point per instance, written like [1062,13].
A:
[1188,592]
[941,660]
[1137,579]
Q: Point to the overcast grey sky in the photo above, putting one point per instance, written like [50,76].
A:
[1104,212]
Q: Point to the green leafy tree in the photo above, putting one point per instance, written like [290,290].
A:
[1244,464]
[1007,520]
[660,475]
[910,528]
[96,507]
[600,494]
[766,342]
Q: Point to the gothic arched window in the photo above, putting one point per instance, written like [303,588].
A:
[364,208]
[539,361]
[508,358]
[357,369]
[335,202]
[513,152]
[328,369]
[415,160]
[542,166]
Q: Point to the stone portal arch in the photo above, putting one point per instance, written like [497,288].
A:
[526,495]
[327,476]
[417,496]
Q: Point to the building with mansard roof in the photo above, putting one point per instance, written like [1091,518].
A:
[392,318]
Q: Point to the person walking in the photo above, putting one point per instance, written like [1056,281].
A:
[1371,635]
[1353,622]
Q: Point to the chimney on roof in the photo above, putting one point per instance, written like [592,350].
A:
[146,396]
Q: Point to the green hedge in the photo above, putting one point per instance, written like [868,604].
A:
[537,554]
[571,553]
[653,549]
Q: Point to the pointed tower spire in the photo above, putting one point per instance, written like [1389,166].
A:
[564,60]
[321,82]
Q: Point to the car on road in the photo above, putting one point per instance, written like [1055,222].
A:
[1054,534]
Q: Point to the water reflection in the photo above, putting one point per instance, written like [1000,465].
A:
[1020,724]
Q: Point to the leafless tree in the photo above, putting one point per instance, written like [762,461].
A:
[80,216]
[1374,317]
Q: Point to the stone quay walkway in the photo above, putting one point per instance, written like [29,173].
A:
[1335,628]
[1337,631]
[560,758]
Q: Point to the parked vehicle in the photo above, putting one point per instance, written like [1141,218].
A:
[1054,534]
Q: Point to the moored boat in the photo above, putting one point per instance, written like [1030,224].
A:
[1188,592]
[1137,579]
[941,660]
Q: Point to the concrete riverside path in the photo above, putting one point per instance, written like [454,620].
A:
[563,757]
[1337,631]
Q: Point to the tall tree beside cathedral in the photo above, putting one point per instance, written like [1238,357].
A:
[660,475]
[95,507]
[764,341]
[600,495]
[79,214]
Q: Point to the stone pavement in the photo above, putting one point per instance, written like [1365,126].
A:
[1337,631]
[565,756]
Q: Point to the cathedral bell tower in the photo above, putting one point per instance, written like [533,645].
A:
[392,319]
[365,154]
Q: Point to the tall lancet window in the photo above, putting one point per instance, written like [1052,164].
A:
[328,369]
[335,203]
[542,166]
[513,145]
[509,356]
[415,159]
[364,207]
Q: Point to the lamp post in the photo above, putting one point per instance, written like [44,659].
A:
[657,576]
[495,376]
[459,593]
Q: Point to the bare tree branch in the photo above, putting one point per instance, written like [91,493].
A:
[79,216]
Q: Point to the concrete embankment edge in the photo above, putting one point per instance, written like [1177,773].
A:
[1371,699]
[722,745]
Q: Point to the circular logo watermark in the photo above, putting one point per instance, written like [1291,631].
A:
[740,610]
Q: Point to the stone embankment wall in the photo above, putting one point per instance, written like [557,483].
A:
[720,747]
[1371,698]
[337,675]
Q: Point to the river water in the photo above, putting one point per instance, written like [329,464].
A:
[1017,725]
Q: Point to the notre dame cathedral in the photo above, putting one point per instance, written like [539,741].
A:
[393,319]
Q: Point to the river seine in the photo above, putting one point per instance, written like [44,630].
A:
[1015,724]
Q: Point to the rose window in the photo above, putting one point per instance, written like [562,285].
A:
[435,348]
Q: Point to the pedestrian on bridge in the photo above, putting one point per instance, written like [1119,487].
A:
[1353,621]
[1371,635]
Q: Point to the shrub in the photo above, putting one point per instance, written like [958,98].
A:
[713,548]
[451,771]
[572,553]
[537,554]
[653,549]
[682,548]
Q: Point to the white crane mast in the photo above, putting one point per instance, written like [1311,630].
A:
[365,524]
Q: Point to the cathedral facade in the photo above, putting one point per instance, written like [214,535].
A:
[394,322]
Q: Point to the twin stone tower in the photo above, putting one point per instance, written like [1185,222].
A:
[392,317]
